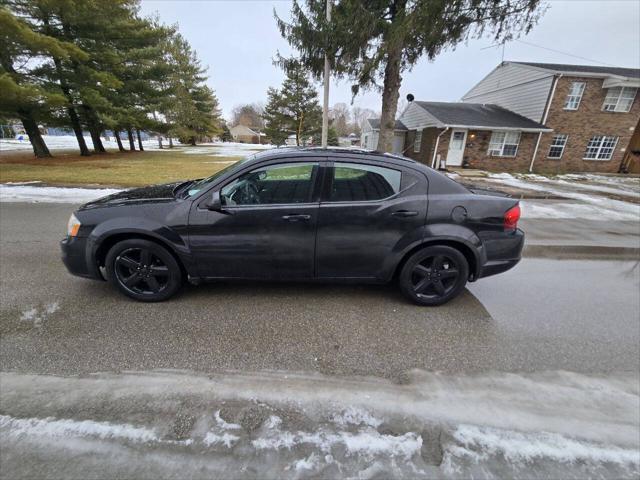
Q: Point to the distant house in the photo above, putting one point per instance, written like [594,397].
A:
[291,141]
[244,134]
[527,116]
[350,140]
[370,134]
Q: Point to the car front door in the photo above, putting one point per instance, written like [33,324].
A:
[366,211]
[266,226]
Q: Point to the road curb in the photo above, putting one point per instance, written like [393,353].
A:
[581,252]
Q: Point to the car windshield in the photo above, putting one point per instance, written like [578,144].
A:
[203,184]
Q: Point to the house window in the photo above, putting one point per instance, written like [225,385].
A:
[575,95]
[504,144]
[600,147]
[556,149]
[619,99]
[417,143]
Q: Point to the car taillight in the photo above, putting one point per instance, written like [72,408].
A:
[511,218]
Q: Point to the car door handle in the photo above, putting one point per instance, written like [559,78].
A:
[296,217]
[404,213]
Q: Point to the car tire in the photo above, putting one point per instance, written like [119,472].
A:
[434,275]
[143,270]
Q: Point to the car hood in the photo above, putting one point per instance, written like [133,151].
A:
[152,193]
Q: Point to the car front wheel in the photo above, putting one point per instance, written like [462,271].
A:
[143,270]
[434,275]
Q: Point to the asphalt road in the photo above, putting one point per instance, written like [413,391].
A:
[573,315]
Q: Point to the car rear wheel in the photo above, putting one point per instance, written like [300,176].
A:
[434,275]
[143,270]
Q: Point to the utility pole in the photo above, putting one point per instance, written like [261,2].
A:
[325,104]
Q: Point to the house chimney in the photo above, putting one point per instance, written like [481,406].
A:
[410,97]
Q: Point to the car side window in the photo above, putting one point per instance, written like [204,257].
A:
[272,185]
[357,182]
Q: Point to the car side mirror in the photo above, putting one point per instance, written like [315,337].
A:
[215,203]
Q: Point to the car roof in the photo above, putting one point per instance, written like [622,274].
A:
[334,152]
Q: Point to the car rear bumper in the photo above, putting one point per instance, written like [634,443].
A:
[74,257]
[503,253]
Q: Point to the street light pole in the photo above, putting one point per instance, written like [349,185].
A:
[325,104]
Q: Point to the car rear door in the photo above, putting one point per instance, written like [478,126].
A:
[368,209]
[267,226]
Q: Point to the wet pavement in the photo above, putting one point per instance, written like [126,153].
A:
[576,315]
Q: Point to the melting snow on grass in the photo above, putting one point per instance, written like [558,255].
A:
[65,142]
[588,206]
[30,193]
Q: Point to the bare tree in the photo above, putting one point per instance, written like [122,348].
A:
[250,115]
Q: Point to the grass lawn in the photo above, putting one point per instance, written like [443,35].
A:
[128,169]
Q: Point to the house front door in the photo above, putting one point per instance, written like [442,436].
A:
[456,148]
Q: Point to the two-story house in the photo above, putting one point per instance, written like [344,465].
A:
[529,117]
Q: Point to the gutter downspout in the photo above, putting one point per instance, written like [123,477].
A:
[544,120]
[435,149]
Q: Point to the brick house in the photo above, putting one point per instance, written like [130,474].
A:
[531,117]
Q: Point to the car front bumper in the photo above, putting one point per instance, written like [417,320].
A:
[74,257]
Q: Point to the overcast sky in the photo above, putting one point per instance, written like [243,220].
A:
[237,40]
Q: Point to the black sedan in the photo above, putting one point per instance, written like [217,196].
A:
[299,214]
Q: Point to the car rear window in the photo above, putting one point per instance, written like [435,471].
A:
[357,182]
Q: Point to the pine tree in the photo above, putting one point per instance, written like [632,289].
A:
[191,108]
[293,109]
[24,94]
[225,136]
[368,41]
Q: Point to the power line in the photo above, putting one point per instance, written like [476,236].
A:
[501,44]
[565,53]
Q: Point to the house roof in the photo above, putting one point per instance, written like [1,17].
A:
[478,115]
[375,124]
[566,68]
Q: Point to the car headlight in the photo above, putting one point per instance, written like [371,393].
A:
[73,226]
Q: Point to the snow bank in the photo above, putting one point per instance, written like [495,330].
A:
[29,193]
[496,425]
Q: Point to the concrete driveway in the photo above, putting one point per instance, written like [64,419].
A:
[544,315]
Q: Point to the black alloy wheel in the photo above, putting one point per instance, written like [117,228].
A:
[143,270]
[139,270]
[434,275]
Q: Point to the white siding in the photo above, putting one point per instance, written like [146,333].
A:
[416,117]
[370,140]
[515,87]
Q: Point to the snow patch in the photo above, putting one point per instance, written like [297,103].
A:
[481,442]
[227,439]
[223,424]
[64,142]
[64,428]
[225,149]
[356,416]
[367,441]
[28,193]
[308,463]
[592,207]
[37,316]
